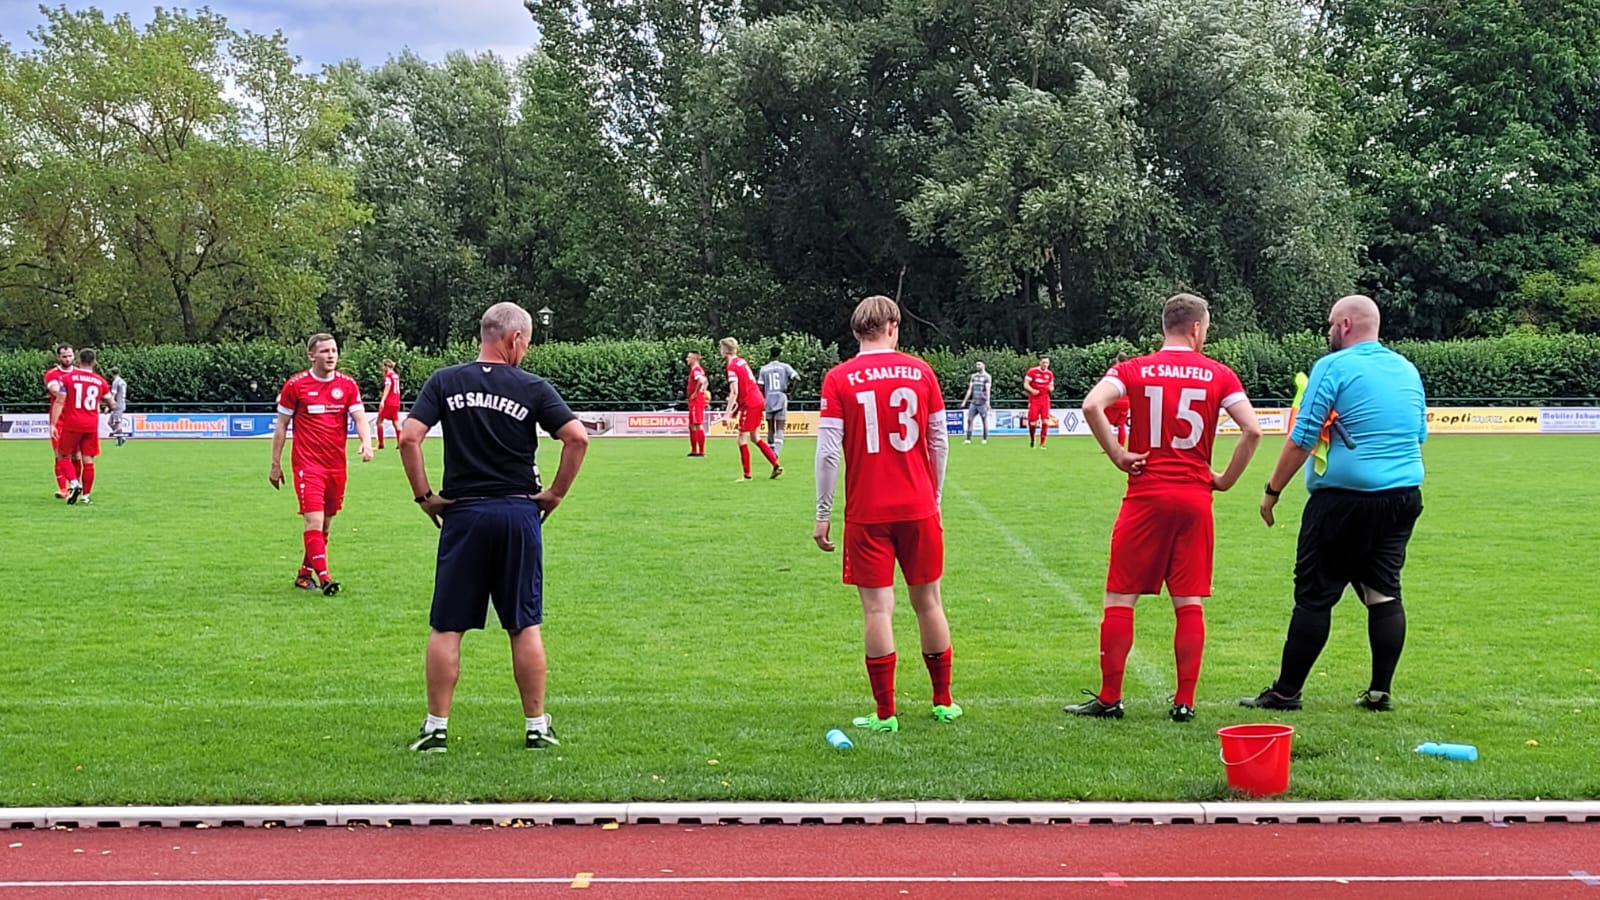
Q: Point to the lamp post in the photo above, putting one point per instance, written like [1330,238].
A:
[546,314]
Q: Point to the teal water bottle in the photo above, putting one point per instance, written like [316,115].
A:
[1465,752]
[839,739]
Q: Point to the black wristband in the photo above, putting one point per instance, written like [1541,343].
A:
[424,497]
[1270,491]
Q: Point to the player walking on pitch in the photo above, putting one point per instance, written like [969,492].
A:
[884,413]
[976,400]
[697,393]
[1165,532]
[775,377]
[118,422]
[75,424]
[746,407]
[318,402]
[389,402]
[1038,382]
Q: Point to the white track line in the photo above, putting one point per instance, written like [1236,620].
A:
[1152,677]
[799,879]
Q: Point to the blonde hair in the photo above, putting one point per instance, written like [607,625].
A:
[315,339]
[729,344]
[873,315]
[1183,310]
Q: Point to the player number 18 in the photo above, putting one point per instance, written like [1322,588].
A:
[86,397]
[903,398]
[1187,414]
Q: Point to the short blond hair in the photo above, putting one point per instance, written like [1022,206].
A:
[873,315]
[315,339]
[1182,310]
[730,344]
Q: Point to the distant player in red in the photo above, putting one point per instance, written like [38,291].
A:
[318,402]
[1038,383]
[1117,413]
[885,412]
[697,392]
[389,402]
[52,375]
[747,406]
[75,424]
[1165,533]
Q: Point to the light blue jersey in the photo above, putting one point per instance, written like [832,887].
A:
[1378,395]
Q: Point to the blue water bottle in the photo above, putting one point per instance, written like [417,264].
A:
[1465,752]
[839,739]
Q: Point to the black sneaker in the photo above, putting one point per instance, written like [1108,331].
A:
[430,742]
[329,587]
[74,492]
[305,581]
[1094,708]
[1375,701]
[776,471]
[1271,699]
[538,740]
[1181,712]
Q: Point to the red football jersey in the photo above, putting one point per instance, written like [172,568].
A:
[53,375]
[883,399]
[1117,411]
[1175,397]
[391,381]
[84,389]
[320,410]
[697,382]
[749,390]
[1041,380]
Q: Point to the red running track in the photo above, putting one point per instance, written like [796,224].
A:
[677,862]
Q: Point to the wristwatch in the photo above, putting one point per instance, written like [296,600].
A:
[424,497]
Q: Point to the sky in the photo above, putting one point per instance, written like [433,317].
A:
[326,31]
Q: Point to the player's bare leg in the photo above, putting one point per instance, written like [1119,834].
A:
[933,629]
[1116,642]
[877,618]
[443,667]
[528,664]
[1188,646]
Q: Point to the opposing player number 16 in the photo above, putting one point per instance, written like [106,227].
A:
[1187,414]
[910,432]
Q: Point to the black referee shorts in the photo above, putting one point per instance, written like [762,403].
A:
[1353,539]
[489,549]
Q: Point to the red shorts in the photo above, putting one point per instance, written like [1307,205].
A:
[1038,408]
[752,417]
[697,412]
[319,490]
[390,412]
[870,552]
[85,442]
[1168,539]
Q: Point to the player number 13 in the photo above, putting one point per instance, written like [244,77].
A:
[904,399]
[1187,414]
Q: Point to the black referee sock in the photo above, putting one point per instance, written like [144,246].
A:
[1308,634]
[1386,631]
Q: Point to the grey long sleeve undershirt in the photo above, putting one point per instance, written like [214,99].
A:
[830,447]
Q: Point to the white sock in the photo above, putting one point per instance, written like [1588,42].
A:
[539,723]
[435,723]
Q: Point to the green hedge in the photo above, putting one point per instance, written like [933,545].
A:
[650,373]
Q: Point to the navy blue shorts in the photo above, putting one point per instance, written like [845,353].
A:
[489,549]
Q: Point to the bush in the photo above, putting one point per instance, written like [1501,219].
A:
[649,374]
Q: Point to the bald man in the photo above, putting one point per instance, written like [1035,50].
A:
[1365,498]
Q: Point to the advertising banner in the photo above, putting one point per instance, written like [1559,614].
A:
[178,425]
[797,424]
[1274,420]
[25,426]
[1483,420]
[1569,420]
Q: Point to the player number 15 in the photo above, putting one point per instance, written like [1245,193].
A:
[1187,414]
[904,399]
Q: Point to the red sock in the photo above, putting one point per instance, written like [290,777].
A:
[317,551]
[744,457]
[1188,644]
[61,480]
[1030,432]
[939,671]
[64,472]
[880,672]
[766,450]
[1116,639]
[1044,429]
[700,436]
[88,477]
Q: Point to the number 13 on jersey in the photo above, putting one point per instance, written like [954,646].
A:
[902,401]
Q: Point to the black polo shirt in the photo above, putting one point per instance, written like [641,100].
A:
[489,412]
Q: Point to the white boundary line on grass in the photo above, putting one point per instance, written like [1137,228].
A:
[937,812]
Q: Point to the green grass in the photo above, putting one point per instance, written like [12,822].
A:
[700,645]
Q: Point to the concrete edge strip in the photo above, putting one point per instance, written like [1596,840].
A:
[933,812]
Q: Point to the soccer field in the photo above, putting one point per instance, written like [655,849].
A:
[701,645]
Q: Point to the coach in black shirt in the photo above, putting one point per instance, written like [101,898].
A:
[492,508]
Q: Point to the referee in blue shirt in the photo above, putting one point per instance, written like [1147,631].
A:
[1364,501]
[490,543]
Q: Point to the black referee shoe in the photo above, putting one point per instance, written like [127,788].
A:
[1375,701]
[1271,699]
[1094,708]
[1181,712]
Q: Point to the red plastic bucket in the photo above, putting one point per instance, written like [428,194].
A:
[1257,758]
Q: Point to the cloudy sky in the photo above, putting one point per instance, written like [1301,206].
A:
[323,31]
